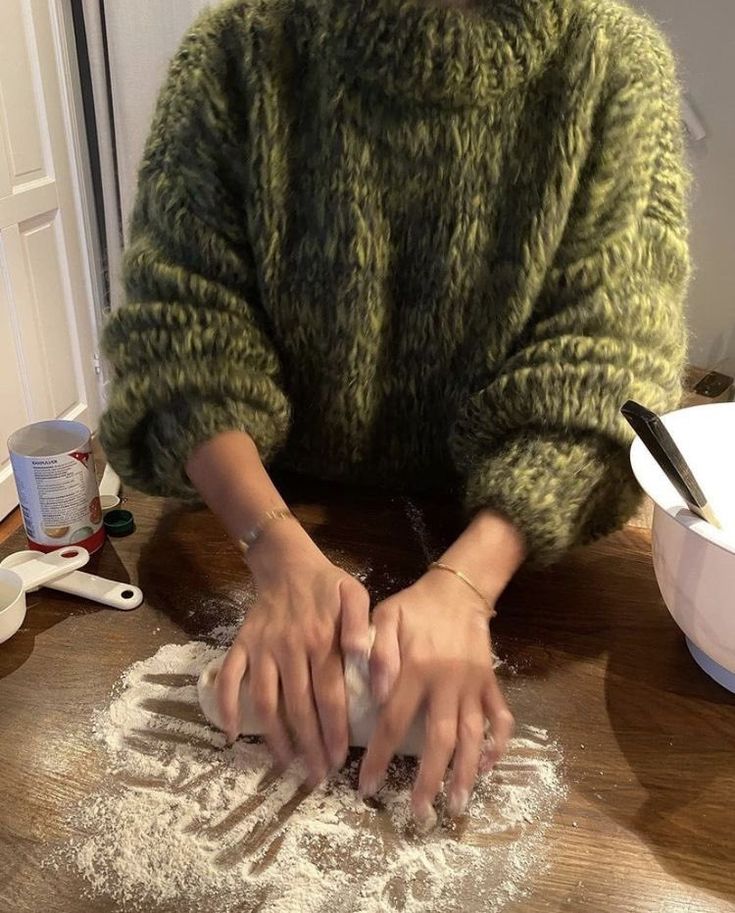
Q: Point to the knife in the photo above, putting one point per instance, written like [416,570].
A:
[652,431]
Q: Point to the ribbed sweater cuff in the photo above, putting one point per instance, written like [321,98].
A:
[157,464]
[558,492]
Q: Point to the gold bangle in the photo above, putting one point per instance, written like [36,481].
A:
[248,539]
[465,579]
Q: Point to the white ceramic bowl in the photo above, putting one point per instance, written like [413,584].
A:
[12,604]
[695,562]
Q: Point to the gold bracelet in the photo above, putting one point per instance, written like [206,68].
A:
[465,579]
[248,540]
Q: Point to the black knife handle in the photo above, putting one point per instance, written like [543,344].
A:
[652,431]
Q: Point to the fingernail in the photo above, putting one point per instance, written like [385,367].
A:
[425,818]
[487,764]
[489,756]
[458,803]
[369,787]
[316,777]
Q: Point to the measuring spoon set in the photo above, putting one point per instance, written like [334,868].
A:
[24,572]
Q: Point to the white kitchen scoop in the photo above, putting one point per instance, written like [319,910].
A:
[39,570]
[109,489]
[111,593]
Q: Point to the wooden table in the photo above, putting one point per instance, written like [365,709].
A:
[649,822]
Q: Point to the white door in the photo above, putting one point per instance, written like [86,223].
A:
[47,325]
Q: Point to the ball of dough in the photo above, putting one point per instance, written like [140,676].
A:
[362,710]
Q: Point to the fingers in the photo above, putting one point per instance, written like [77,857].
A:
[329,693]
[393,722]
[302,715]
[501,724]
[487,756]
[355,617]
[439,742]
[263,685]
[470,733]
[227,687]
[385,658]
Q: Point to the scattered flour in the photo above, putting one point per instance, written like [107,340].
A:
[183,820]
[417,520]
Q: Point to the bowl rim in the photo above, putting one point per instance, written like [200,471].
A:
[5,573]
[679,512]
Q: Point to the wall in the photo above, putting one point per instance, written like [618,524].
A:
[142,36]
[703,36]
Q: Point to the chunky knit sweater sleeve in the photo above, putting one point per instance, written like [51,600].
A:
[544,442]
[190,349]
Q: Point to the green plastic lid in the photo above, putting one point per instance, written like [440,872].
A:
[119,523]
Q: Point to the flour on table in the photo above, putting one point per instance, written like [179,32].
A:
[182,820]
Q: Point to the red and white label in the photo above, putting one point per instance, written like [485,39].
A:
[58,492]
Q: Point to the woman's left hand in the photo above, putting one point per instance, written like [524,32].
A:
[432,651]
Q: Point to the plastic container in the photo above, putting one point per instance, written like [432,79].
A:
[57,486]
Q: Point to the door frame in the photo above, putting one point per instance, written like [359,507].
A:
[75,128]
[73,159]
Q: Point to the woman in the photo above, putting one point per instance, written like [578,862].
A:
[401,242]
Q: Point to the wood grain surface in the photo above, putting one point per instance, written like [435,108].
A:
[10,524]
[648,825]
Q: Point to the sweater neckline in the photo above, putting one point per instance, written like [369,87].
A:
[426,52]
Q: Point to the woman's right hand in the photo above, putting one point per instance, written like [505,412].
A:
[308,612]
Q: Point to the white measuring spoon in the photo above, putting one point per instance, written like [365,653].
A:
[111,593]
[109,489]
[28,576]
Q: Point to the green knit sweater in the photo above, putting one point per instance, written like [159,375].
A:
[413,245]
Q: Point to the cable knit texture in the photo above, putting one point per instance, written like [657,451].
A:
[413,245]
